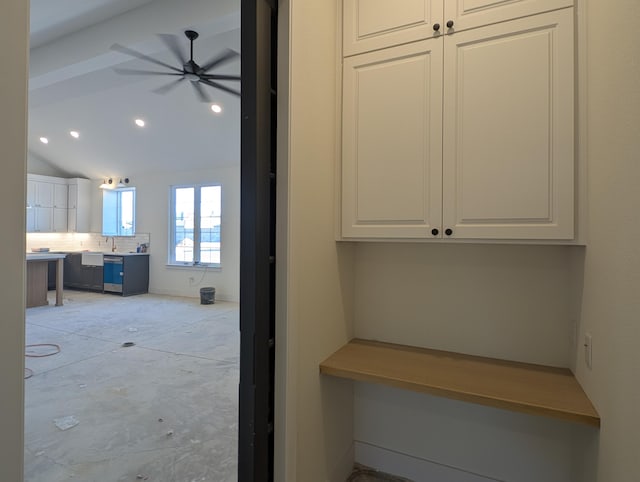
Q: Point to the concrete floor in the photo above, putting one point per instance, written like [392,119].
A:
[163,410]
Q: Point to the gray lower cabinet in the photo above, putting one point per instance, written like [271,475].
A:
[126,274]
[79,276]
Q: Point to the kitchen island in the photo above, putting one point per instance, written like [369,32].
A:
[37,278]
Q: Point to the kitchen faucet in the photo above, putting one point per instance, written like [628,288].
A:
[113,243]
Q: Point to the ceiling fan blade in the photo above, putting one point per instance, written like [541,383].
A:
[167,87]
[219,59]
[220,86]
[219,77]
[172,43]
[200,92]
[142,72]
[141,56]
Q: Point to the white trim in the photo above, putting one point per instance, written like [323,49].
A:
[413,468]
[171,255]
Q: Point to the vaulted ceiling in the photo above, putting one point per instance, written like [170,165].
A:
[73,86]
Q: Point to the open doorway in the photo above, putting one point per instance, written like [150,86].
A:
[108,313]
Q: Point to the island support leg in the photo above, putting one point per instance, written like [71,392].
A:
[59,281]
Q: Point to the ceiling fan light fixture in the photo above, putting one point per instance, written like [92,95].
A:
[74,134]
[216,108]
[140,122]
[44,140]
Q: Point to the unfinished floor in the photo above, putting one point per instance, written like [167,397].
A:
[162,410]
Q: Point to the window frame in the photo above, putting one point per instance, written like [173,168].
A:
[197,196]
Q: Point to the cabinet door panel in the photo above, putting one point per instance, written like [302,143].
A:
[59,220]
[508,146]
[392,142]
[60,195]
[43,220]
[72,196]
[44,194]
[376,24]
[477,13]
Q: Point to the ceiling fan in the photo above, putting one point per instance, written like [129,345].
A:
[197,75]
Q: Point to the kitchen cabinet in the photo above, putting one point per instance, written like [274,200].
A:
[40,206]
[465,135]
[374,24]
[57,205]
[126,274]
[79,276]
[79,205]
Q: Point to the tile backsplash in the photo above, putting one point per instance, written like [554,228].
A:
[85,241]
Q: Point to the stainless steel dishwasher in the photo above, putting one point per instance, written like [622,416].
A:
[113,273]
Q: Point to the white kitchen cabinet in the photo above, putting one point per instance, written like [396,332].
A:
[57,205]
[42,220]
[496,162]
[508,163]
[79,205]
[375,24]
[44,194]
[59,221]
[60,195]
[40,200]
[461,15]
[392,141]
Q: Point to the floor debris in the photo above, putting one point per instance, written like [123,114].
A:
[127,344]
[65,423]
[169,433]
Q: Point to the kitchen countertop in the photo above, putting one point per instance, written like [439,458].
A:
[45,256]
[106,253]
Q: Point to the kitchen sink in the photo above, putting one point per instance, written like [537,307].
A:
[92,259]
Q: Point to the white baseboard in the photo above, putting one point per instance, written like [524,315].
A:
[413,468]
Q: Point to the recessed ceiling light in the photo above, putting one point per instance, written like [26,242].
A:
[216,108]
[44,140]
[139,122]
[74,134]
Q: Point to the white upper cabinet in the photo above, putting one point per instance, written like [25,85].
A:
[465,135]
[79,205]
[57,205]
[44,194]
[60,195]
[374,24]
[392,141]
[464,14]
[508,130]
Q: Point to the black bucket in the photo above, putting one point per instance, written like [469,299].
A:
[207,296]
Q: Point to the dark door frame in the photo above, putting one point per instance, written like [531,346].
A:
[257,240]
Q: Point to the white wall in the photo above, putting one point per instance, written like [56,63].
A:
[152,216]
[319,277]
[37,165]
[502,301]
[14,25]
[611,295]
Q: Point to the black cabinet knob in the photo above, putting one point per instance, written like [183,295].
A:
[450,24]
[436,27]
[448,231]
[434,231]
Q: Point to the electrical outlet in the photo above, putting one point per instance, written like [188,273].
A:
[588,350]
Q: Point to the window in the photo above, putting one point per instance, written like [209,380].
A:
[195,225]
[119,212]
